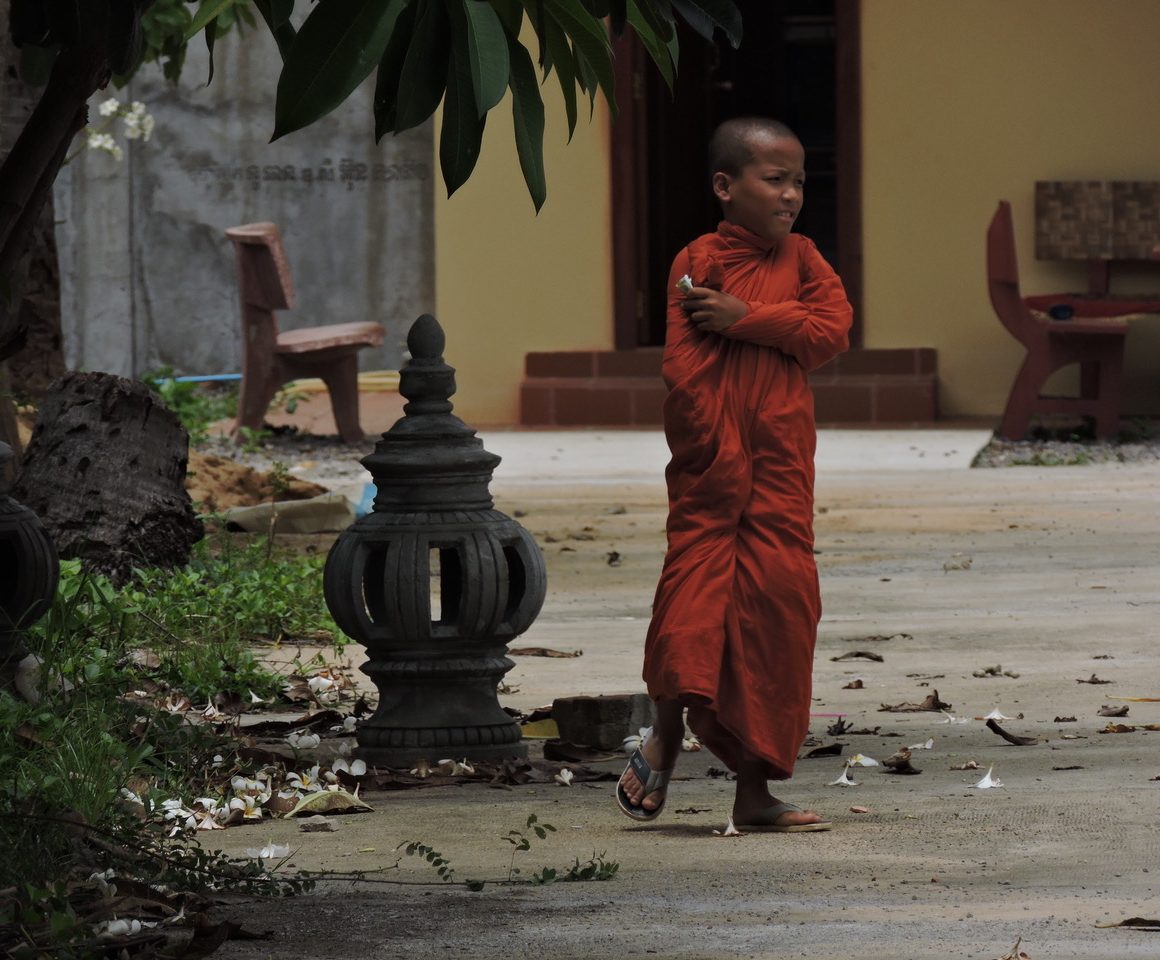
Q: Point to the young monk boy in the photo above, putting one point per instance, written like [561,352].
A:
[737,607]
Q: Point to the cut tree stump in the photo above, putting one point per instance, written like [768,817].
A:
[105,471]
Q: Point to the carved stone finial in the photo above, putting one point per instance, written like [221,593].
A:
[426,340]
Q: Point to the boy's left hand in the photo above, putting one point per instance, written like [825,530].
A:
[712,311]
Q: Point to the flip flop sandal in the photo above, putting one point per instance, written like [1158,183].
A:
[766,821]
[653,780]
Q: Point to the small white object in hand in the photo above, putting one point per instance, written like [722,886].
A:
[685,284]
[988,782]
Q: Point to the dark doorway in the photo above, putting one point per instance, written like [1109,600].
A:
[798,63]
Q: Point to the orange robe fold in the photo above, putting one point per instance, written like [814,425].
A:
[737,607]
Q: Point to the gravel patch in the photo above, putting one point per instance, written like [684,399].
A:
[321,459]
[1064,453]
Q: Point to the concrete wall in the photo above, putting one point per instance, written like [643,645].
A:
[509,281]
[965,104]
[147,275]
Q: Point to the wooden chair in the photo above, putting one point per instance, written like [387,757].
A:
[1095,343]
[270,358]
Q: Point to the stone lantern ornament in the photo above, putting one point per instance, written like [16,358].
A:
[434,582]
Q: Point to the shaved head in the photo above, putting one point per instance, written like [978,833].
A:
[731,146]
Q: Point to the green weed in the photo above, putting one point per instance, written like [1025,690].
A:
[197,405]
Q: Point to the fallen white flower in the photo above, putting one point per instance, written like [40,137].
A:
[988,782]
[272,851]
[308,781]
[349,723]
[858,760]
[254,698]
[997,714]
[319,684]
[249,806]
[928,745]
[633,741]
[356,769]
[729,831]
[691,743]
[303,741]
[844,780]
[564,777]
[951,718]
[455,768]
[120,928]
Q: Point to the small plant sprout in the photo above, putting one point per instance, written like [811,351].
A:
[844,780]
[988,782]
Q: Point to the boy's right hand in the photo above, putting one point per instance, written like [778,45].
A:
[712,311]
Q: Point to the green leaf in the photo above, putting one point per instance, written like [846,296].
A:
[276,13]
[658,17]
[210,37]
[564,63]
[424,75]
[487,54]
[528,119]
[590,41]
[462,133]
[386,102]
[336,49]
[649,39]
[511,14]
[704,15]
[209,11]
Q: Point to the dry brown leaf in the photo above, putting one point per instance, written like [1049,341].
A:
[859,655]
[854,685]
[1137,923]
[1010,737]
[931,703]
[1118,728]
[1094,679]
[542,652]
[328,801]
[900,764]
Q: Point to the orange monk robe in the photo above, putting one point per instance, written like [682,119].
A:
[737,607]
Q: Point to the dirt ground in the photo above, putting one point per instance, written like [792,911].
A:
[1048,574]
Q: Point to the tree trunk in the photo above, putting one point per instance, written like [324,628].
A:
[105,471]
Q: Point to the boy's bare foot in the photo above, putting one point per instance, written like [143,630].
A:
[660,749]
[759,815]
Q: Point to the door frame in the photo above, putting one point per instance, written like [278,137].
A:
[630,176]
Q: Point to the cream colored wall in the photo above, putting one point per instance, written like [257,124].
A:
[965,104]
[508,281]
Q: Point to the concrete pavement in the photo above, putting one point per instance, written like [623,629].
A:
[1049,574]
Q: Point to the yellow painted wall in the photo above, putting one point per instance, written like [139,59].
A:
[965,104]
[507,281]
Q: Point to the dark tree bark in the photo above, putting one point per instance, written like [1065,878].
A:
[105,471]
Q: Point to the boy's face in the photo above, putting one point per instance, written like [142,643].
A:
[767,195]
